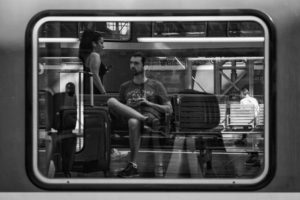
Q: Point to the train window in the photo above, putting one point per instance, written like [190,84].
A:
[204,81]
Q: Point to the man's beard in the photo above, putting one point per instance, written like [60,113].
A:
[136,73]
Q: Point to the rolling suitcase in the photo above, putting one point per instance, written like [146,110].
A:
[95,154]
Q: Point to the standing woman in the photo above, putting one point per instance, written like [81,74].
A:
[90,50]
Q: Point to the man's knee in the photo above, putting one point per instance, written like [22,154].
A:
[111,102]
[134,123]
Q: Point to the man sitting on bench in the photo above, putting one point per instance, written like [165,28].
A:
[143,101]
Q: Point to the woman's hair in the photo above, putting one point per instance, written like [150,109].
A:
[86,43]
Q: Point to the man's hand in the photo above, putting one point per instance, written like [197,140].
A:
[165,108]
[138,102]
[144,102]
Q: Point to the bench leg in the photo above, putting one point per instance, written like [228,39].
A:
[209,159]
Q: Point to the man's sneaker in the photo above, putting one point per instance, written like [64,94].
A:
[129,172]
[252,160]
[117,155]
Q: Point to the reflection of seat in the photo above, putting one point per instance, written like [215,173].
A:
[196,112]
[63,142]
[62,150]
[198,115]
[45,109]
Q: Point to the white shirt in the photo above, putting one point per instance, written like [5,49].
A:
[250,100]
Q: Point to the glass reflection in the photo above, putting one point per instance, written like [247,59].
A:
[211,132]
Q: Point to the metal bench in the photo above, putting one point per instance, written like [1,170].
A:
[260,119]
[241,116]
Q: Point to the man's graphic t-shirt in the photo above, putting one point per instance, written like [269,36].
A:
[152,90]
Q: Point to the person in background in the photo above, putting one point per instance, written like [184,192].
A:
[142,101]
[246,99]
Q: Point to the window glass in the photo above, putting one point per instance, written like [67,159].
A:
[112,30]
[213,73]
[181,29]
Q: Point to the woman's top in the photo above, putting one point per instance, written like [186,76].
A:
[86,80]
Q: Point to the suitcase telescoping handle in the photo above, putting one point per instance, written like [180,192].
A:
[90,75]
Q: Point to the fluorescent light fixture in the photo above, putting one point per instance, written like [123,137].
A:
[202,39]
[162,58]
[58,40]
[225,58]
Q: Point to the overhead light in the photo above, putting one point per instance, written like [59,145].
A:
[225,58]
[162,58]
[58,40]
[202,39]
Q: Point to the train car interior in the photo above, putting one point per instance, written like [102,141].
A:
[205,64]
